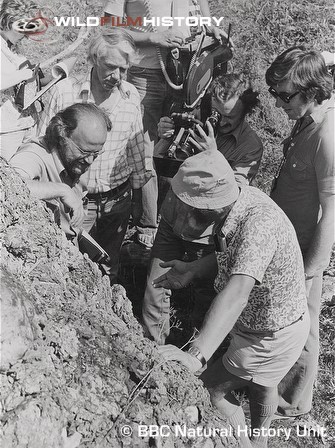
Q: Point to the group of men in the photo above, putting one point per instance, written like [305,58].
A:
[269,259]
[256,261]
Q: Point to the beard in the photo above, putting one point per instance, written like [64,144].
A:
[74,168]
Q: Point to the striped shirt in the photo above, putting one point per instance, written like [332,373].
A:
[123,157]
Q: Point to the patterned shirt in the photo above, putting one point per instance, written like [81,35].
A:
[123,157]
[261,243]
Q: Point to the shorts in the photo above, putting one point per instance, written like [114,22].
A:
[265,358]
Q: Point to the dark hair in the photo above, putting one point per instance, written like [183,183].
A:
[307,71]
[66,121]
[224,87]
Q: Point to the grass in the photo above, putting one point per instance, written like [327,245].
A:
[261,29]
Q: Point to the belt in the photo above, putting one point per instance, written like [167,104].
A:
[267,332]
[109,193]
[292,323]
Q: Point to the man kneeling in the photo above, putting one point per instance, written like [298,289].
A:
[261,298]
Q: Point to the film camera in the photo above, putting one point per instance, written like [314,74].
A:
[189,72]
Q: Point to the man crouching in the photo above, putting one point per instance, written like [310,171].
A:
[261,298]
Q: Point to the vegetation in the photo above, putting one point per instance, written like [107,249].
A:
[261,29]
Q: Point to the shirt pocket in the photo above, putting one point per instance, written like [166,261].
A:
[298,169]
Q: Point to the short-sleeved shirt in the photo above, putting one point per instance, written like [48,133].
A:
[243,149]
[309,170]
[123,157]
[261,243]
[34,161]
[158,8]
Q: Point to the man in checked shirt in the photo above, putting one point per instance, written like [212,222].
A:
[116,177]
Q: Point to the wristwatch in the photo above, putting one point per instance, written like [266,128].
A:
[194,351]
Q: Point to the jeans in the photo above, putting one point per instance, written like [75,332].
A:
[156,303]
[154,94]
[296,388]
[106,221]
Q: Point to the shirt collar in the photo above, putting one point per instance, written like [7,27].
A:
[85,91]
[234,216]
[319,112]
[57,161]
[237,132]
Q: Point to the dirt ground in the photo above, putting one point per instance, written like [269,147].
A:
[75,368]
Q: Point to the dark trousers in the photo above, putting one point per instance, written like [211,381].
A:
[107,220]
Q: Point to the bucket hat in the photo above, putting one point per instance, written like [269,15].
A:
[206,181]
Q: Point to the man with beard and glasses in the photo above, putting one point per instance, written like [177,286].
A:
[53,164]
[117,176]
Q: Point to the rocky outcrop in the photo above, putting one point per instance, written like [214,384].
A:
[76,369]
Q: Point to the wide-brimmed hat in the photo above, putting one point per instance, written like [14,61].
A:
[206,181]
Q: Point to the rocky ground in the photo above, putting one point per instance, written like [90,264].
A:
[75,366]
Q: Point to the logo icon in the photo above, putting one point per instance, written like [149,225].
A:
[35,27]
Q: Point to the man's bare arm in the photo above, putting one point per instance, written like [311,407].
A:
[54,190]
[221,317]
[323,238]
[223,313]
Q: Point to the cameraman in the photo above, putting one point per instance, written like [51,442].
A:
[187,230]
[233,97]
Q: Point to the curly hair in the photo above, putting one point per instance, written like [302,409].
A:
[307,71]
[225,87]
[110,38]
[12,10]
[66,121]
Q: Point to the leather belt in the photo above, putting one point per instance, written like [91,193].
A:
[109,193]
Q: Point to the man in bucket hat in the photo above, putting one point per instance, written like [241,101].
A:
[186,229]
[261,296]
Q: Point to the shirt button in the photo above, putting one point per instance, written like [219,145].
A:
[294,165]
[292,144]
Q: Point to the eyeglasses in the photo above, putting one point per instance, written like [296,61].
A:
[86,153]
[284,96]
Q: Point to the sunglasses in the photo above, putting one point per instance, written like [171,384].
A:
[284,96]
[85,152]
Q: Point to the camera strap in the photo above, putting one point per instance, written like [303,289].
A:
[179,8]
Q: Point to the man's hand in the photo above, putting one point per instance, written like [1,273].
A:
[165,127]
[203,141]
[34,74]
[74,203]
[167,39]
[178,277]
[172,353]
[219,34]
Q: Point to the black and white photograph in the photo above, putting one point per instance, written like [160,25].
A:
[167,224]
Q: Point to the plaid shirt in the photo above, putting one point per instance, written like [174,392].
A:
[123,157]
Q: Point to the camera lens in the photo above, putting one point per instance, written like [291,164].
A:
[214,119]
